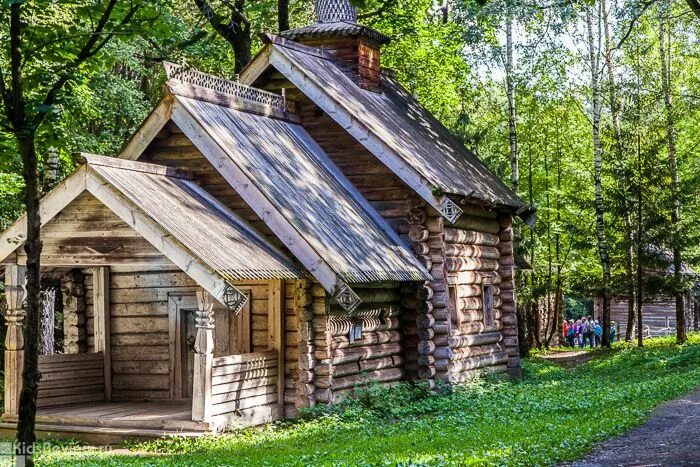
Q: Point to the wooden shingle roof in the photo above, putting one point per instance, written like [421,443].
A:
[293,177]
[391,124]
[221,239]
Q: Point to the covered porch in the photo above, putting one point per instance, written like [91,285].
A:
[164,328]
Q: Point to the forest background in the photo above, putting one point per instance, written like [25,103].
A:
[588,110]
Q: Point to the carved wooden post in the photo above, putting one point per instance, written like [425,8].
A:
[14,339]
[203,358]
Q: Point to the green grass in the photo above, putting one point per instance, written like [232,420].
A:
[539,420]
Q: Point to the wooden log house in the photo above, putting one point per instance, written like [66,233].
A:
[267,244]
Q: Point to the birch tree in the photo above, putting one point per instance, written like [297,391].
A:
[665,65]
[594,39]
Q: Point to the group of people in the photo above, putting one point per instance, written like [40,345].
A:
[586,331]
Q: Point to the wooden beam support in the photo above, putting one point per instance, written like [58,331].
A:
[157,236]
[203,359]
[275,327]
[102,333]
[51,204]
[148,130]
[14,339]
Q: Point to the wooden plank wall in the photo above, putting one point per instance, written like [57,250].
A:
[86,232]
[140,331]
[244,390]
[70,378]
[377,357]
[656,313]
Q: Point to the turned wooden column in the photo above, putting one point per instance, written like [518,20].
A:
[203,358]
[14,339]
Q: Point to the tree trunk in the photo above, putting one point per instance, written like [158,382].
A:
[240,40]
[510,90]
[640,247]
[594,56]
[32,246]
[283,15]
[665,56]
[622,180]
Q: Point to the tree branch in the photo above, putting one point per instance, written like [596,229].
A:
[379,11]
[694,7]
[89,49]
[213,19]
[645,6]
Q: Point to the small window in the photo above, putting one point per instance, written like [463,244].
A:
[355,332]
[488,304]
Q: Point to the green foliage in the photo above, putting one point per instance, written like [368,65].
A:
[494,422]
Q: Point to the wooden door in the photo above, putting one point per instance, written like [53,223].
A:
[188,337]
[182,311]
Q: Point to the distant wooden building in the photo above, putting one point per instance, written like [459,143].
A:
[658,314]
[265,245]
[659,308]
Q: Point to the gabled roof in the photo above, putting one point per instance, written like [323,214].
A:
[391,124]
[221,239]
[298,181]
[187,225]
[258,147]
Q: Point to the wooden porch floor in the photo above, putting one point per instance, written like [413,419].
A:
[115,421]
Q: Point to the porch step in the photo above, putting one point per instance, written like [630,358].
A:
[155,424]
[93,434]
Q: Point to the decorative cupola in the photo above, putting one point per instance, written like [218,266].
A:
[355,48]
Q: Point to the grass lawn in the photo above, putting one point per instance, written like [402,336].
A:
[553,415]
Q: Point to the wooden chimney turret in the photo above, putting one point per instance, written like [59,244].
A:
[355,48]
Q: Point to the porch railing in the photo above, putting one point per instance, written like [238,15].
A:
[244,389]
[71,378]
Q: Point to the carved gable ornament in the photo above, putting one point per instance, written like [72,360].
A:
[450,210]
[347,298]
[234,299]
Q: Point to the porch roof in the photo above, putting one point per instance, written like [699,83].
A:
[181,220]
[221,239]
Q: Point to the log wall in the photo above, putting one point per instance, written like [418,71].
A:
[508,306]
[70,378]
[244,390]
[343,364]
[74,319]
[478,253]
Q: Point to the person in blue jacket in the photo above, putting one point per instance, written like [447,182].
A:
[598,333]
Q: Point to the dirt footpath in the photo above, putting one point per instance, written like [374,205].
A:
[671,437]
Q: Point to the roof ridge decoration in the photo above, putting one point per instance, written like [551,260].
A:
[225,86]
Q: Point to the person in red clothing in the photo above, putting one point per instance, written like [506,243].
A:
[566,330]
